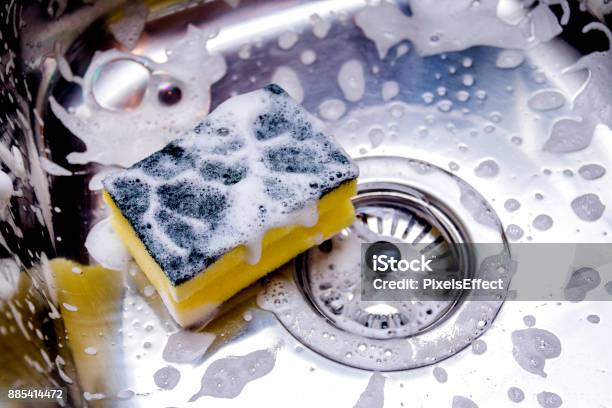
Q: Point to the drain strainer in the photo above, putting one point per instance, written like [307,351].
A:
[331,273]
[318,297]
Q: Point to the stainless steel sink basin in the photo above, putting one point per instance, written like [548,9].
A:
[491,119]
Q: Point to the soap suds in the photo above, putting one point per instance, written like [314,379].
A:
[453,25]
[591,107]
[125,137]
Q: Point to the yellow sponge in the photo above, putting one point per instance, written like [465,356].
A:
[254,185]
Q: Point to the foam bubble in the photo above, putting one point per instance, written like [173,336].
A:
[351,80]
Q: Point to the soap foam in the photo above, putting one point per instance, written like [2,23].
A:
[454,25]
[125,137]
[591,107]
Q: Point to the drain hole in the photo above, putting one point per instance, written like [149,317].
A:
[331,273]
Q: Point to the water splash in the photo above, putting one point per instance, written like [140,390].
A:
[226,378]
[532,347]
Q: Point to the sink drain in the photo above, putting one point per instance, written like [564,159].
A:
[318,297]
[331,273]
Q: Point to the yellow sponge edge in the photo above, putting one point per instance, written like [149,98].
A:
[194,300]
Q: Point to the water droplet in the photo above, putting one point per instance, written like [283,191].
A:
[514,232]
[487,168]
[445,105]
[588,207]
[516,394]
[542,222]
[427,97]
[593,318]
[591,171]
[512,205]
